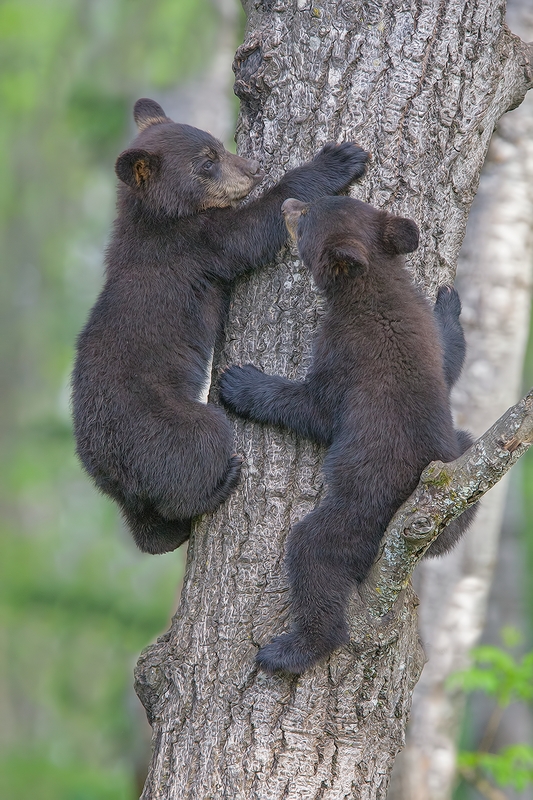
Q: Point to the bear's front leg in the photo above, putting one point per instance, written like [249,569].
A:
[447,310]
[252,235]
[273,400]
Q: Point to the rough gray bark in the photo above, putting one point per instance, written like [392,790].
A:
[421,86]
[494,280]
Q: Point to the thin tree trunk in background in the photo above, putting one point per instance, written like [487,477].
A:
[421,87]
[205,100]
[494,280]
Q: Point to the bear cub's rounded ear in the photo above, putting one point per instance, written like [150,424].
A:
[349,259]
[147,112]
[135,167]
[400,235]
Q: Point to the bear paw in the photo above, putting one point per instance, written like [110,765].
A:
[343,163]
[236,388]
[287,653]
[448,302]
[234,472]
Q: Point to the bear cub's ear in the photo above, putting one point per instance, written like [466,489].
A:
[400,235]
[349,259]
[147,112]
[135,167]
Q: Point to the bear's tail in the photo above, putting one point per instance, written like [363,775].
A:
[154,533]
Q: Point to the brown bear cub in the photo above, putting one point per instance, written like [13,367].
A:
[377,394]
[143,357]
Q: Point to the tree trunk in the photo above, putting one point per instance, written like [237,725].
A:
[421,87]
[494,280]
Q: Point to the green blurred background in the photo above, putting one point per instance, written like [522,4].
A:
[77,601]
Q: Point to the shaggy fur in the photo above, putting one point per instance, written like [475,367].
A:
[143,357]
[377,395]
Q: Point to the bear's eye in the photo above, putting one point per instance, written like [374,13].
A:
[207,165]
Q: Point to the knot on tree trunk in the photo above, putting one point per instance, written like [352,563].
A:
[151,683]
[249,69]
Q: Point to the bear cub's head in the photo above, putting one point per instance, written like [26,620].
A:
[178,170]
[340,237]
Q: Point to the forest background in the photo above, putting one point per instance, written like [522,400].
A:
[77,601]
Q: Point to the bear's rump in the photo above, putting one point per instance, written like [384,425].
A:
[172,456]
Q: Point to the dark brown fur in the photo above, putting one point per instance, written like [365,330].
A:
[143,356]
[377,395]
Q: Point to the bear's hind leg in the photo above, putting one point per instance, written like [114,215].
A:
[321,584]
[194,469]
[226,486]
[152,532]
[155,533]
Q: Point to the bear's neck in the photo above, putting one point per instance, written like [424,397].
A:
[384,286]
[134,215]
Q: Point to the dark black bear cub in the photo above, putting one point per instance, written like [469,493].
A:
[377,394]
[143,357]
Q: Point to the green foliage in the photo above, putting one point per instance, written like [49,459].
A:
[36,776]
[97,117]
[77,601]
[508,680]
[173,33]
[497,673]
[512,766]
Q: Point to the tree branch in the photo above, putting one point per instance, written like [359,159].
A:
[444,492]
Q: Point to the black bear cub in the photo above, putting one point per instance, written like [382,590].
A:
[377,394]
[143,358]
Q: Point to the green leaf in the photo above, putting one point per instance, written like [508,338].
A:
[511,767]
[497,673]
